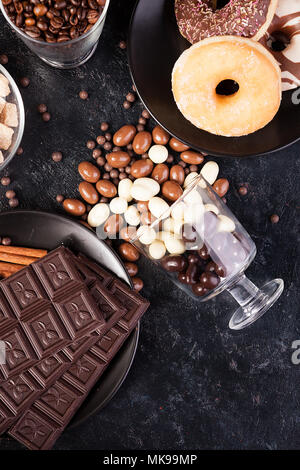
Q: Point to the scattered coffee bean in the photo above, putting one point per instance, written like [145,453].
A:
[96,153]
[56,156]
[107,146]
[3,59]
[83,95]
[14,202]
[91,144]
[5,180]
[59,198]
[130,97]
[243,191]
[132,268]
[146,114]
[24,82]
[101,140]
[10,194]
[46,117]
[126,105]
[104,126]
[274,219]
[42,108]
[137,284]
[101,161]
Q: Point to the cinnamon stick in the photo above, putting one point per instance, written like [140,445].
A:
[5,274]
[17,259]
[19,250]
[10,268]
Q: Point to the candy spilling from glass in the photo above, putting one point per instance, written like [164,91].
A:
[204,249]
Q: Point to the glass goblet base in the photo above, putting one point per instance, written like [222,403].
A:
[260,304]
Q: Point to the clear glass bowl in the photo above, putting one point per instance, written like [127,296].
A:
[16,98]
[64,55]
[204,249]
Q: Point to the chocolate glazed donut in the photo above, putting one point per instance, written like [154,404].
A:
[200,19]
[283,41]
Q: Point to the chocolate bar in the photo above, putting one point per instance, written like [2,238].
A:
[31,383]
[41,425]
[43,308]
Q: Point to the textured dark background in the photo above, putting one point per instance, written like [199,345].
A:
[194,383]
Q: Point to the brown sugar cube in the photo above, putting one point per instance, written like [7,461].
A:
[4,86]
[6,134]
[9,115]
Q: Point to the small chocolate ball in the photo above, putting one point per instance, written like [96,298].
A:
[42,108]
[56,156]
[83,95]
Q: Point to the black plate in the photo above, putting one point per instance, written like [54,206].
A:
[43,230]
[154,46]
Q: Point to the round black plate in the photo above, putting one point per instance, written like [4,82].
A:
[154,46]
[43,230]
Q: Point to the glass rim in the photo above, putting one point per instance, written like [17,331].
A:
[51,44]
[21,111]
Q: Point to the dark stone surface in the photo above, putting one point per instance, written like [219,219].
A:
[194,383]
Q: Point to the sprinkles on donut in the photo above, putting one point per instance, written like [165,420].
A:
[200,19]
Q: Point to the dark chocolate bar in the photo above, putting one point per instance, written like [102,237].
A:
[41,425]
[43,308]
[41,376]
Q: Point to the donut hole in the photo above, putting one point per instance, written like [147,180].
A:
[278,41]
[219,4]
[227,87]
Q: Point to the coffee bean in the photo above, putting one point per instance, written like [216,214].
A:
[59,198]
[137,284]
[130,97]
[10,194]
[146,114]
[42,108]
[91,144]
[14,202]
[274,219]
[101,140]
[24,82]
[46,117]
[3,59]
[83,95]
[101,161]
[107,146]
[96,153]
[243,191]
[6,241]
[56,156]
[5,180]
[104,126]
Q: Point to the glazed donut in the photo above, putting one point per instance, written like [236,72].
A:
[285,29]
[199,19]
[200,70]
